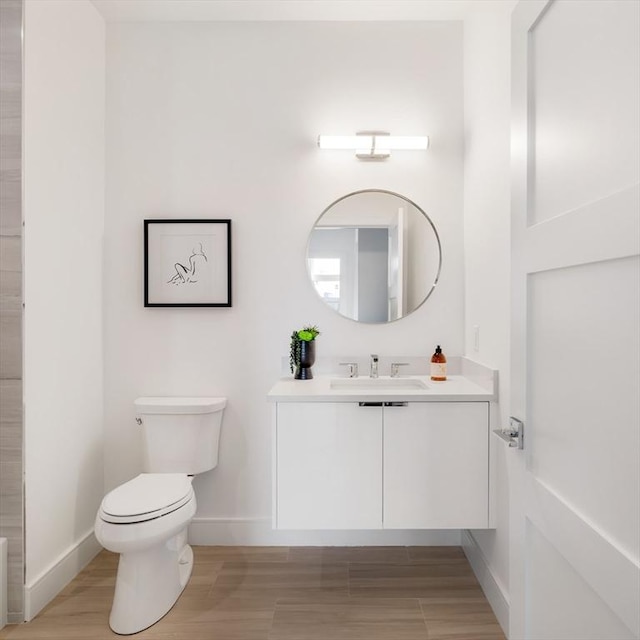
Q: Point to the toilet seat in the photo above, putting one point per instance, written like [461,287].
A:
[146,497]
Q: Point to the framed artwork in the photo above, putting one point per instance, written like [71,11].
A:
[187,263]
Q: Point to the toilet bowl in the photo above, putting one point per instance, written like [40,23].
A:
[145,520]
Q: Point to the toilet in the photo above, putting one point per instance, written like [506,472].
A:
[145,520]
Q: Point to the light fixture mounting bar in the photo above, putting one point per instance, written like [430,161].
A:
[377,150]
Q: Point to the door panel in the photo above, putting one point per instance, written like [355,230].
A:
[575,490]
[578,74]
[581,376]
[561,596]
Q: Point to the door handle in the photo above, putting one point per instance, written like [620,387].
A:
[383,404]
[515,435]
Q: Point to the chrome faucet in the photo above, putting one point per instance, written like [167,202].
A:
[352,368]
[374,366]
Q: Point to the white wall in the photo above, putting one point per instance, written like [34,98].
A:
[219,120]
[63,211]
[487,243]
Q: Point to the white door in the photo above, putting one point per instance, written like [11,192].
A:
[575,488]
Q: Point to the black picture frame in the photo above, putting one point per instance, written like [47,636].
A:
[187,262]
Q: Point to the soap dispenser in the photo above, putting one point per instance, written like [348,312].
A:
[438,365]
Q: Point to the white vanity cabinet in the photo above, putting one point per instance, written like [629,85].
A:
[328,471]
[436,465]
[418,465]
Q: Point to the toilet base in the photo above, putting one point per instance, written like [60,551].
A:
[149,582]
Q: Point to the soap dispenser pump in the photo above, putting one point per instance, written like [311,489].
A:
[438,365]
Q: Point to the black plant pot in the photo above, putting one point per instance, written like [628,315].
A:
[307,358]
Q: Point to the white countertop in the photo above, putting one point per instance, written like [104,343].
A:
[455,388]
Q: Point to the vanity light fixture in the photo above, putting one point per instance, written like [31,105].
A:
[373,145]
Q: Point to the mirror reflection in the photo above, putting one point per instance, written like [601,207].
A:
[374,256]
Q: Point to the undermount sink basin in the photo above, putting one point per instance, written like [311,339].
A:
[377,383]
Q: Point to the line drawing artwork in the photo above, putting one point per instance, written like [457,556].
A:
[187,262]
[189,274]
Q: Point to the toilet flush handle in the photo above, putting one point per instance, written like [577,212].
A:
[139,420]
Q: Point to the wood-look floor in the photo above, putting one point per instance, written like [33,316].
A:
[291,593]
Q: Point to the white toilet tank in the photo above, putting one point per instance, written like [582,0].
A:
[181,435]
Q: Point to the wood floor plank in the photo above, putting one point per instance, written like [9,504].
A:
[241,554]
[69,617]
[461,621]
[330,555]
[435,555]
[348,619]
[205,573]
[221,617]
[44,630]
[409,581]
[468,595]
[281,580]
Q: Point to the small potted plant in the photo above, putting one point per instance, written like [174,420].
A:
[303,352]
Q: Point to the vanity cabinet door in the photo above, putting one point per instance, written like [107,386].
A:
[436,465]
[328,466]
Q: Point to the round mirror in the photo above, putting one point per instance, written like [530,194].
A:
[374,256]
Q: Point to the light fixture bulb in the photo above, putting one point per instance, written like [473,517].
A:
[405,143]
[345,142]
[373,145]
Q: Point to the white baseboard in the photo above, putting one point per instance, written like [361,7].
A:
[493,589]
[50,582]
[3,582]
[258,532]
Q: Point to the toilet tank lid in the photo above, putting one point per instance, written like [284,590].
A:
[181,405]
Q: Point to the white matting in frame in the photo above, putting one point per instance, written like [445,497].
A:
[187,263]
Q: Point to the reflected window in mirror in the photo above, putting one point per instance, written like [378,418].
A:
[325,275]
